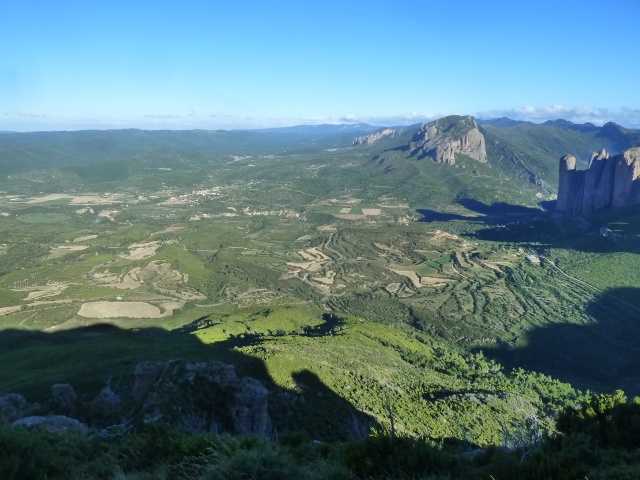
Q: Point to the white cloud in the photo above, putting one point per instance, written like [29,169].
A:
[625,116]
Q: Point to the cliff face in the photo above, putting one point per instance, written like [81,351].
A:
[374,137]
[609,182]
[444,138]
[201,396]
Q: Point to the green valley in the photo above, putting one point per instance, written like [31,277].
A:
[365,288]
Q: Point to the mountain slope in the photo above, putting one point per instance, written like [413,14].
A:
[20,152]
[522,159]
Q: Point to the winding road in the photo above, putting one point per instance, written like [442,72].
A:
[329,249]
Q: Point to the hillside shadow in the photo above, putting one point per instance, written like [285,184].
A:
[602,356]
[604,231]
[89,357]
[484,214]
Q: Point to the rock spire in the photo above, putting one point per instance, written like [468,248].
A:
[609,182]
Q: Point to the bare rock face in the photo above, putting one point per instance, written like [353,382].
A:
[565,202]
[609,182]
[146,375]
[626,191]
[201,396]
[250,409]
[595,156]
[374,137]
[446,137]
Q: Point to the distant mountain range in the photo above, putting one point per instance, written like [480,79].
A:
[323,129]
[523,151]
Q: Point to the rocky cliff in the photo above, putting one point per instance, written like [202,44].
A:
[374,137]
[609,182]
[192,396]
[448,136]
[201,396]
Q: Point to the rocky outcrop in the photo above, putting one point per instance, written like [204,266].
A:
[444,138]
[202,396]
[194,396]
[147,373]
[374,137]
[609,182]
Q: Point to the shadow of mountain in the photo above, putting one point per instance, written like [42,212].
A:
[493,214]
[87,357]
[496,209]
[603,231]
[603,355]
[499,214]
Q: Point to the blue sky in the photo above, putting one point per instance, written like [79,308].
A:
[207,64]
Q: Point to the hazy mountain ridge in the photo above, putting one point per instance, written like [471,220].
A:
[21,152]
[24,151]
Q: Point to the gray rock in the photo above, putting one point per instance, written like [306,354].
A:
[64,396]
[202,396]
[12,407]
[609,182]
[54,423]
[108,397]
[250,407]
[565,201]
[626,191]
[147,373]
[374,137]
[448,136]
[595,156]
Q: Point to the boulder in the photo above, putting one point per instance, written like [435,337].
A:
[64,397]
[12,407]
[54,423]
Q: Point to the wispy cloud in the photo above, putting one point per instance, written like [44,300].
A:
[389,120]
[626,116]
[162,117]
[26,115]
